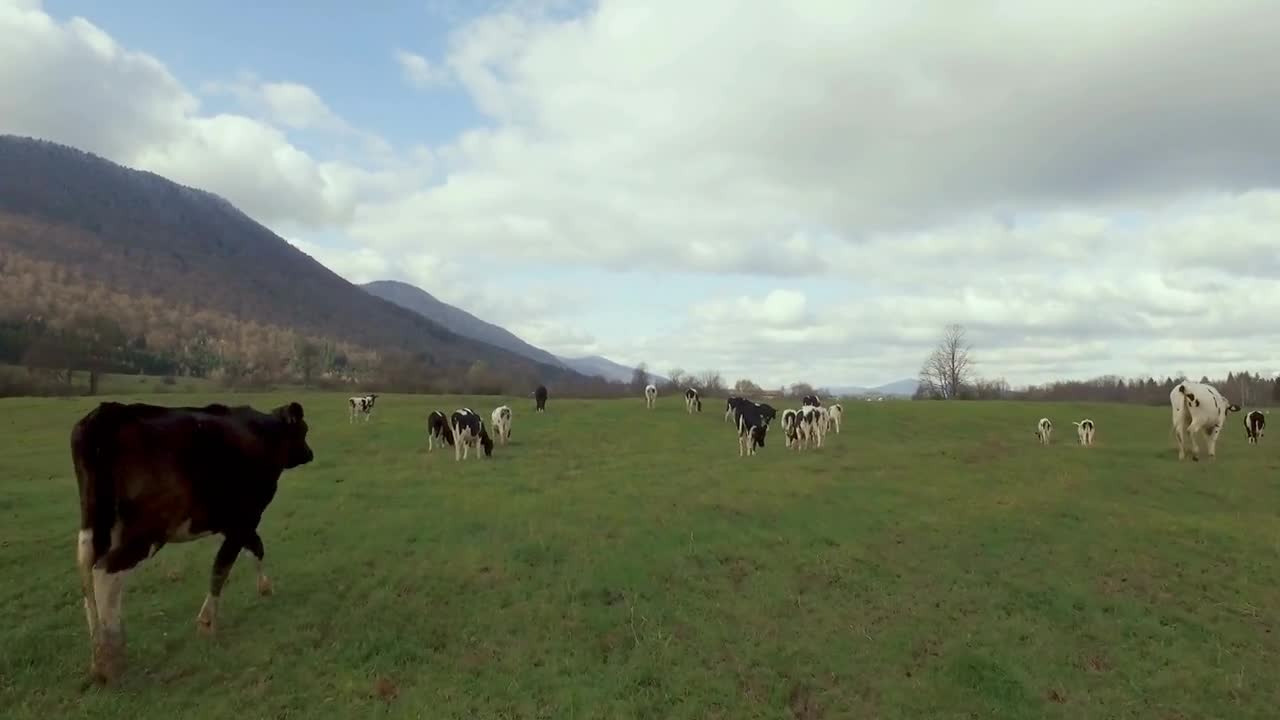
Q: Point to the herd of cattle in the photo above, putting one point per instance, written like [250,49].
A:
[150,475]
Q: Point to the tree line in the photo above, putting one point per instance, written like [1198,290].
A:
[949,373]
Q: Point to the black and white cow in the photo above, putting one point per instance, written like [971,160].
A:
[1254,424]
[468,432]
[810,401]
[811,426]
[1198,408]
[692,401]
[650,395]
[501,418]
[1044,430]
[361,405]
[752,428]
[835,414]
[1084,430]
[438,430]
[540,398]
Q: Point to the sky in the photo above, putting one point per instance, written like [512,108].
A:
[778,191]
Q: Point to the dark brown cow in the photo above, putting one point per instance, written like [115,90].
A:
[152,475]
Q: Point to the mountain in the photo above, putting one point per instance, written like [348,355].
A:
[596,366]
[899,388]
[456,319]
[464,323]
[183,275]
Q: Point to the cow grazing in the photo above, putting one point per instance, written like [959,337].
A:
[650,395]
[1254,424]
[540,398]
[1197,408]
[790,420]
[501,418]
[1044,430]
[150,475]
[752,428]
[692,401]
[468,432]
[1084,430]
[361,405]
[438,430]
[835,414]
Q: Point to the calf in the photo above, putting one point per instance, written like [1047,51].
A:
[835,414]
[1044,430]
[438,430]
[361,405]
[151,475]
[501,418]
[468,432]
[752,428]
[692,401]
[1197,408]
[1084,430]
[650,395]
[1254,423]
[540,398]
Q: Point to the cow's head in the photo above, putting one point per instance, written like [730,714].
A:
[757,435]
[292,439]
[486,441]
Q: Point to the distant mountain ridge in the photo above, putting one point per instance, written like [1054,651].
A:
[466,324]
[897,388]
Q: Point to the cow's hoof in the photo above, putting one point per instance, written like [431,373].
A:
[264,586]
[206,620]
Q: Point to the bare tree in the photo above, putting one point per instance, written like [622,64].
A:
[746,388]
[640,377]
[710,382]
[949,368]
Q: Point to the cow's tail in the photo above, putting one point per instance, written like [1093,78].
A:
[91,453]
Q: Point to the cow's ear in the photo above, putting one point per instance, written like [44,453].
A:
[291,413]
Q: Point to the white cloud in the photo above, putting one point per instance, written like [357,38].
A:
[420,72]
[1088,188]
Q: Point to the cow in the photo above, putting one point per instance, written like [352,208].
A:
[1198,407]
[1084,430]
[501,418]
[1254,424]
[149,476]
[811,423]
[692,401]
[729,405]
[650,395]
[789,427]
[468,432]
[810,401]
[438,430]
[361,405]
[540,398]
[835,414]
[1044,430]
[752,428]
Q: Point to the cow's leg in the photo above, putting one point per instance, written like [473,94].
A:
[84,561]
[457,443]
[429,443]
[108,591]
[207,619]
[1192,430]
[1213,440]
[253,543]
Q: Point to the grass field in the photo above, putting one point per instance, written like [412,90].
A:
[931,562]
